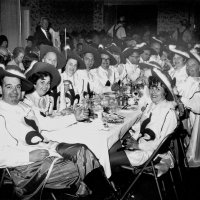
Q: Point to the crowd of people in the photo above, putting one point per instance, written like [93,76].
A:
[44,85]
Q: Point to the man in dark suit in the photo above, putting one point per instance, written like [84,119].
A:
[42,35]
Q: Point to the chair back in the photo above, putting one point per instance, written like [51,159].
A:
[163,147]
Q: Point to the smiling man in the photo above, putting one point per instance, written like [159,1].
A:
[71,165]
[106,77]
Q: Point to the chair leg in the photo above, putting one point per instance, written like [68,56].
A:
[173,184]
[156,179]
[176,157]
[2,177]
[184,153]
[53,196]
[164,188]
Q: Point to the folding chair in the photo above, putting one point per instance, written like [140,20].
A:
[178,149]
[6,179]
[138,171]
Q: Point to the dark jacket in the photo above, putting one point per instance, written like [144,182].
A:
[40,38]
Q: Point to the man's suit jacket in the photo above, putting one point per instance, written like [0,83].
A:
[40,38]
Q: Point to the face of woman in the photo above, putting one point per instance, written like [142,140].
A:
[157,93]
[42,86]
[20,57]
[71,67]
[146,55]
[134,58]
[178,61]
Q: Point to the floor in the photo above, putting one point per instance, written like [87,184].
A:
[145,188]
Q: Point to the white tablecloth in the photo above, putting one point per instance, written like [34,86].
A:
[95,136]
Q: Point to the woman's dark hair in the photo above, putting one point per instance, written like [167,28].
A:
[154,81]
[63,69]
[2,39]
[39,75]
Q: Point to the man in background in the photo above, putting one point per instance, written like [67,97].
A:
[42,34]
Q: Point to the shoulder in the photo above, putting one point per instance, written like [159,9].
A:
[80,72]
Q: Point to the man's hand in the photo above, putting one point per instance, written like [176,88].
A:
[81,113]
[38,155]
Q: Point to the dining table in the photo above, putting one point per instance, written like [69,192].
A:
[98,138]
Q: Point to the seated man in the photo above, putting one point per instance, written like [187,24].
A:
[33,164]
[105,77]
[190,96]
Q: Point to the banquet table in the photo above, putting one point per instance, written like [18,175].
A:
[95,136]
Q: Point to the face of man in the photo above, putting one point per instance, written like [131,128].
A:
[134,58]
[193,68]
[178,61]
[156,46]
[88,60]
[105,61]
[50,58]
[11,90]
[71,66]
[29,43]
[44,24]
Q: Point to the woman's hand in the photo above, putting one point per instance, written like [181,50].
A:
[130,143]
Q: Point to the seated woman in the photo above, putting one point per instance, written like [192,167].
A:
[57,126]
[157,121]
[44,77]
[69,72]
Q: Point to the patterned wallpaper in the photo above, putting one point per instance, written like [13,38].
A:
[169,17]
[89,15]
[72,15]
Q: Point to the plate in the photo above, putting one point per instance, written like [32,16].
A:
[112,118]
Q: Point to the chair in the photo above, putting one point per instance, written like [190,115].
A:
[5,179]
[178,149]
[150,164]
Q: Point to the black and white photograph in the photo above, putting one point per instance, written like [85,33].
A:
[99,99]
